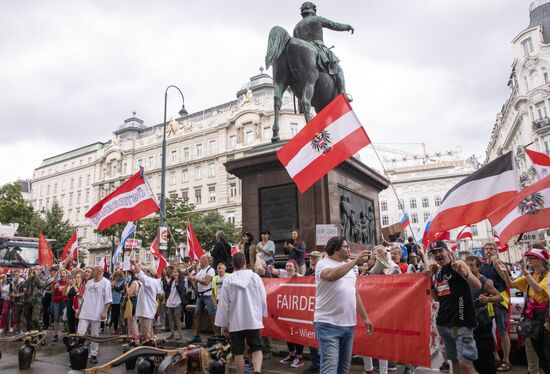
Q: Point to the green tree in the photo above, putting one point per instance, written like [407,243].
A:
[14,209]
[55,227]
[206,226]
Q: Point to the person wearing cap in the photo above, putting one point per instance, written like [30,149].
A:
[535,284]
[456,317]
[314,258]
[146,307]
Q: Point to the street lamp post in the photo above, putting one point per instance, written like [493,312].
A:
[182,112]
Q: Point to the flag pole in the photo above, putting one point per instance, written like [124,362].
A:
[401,207]
[151,191]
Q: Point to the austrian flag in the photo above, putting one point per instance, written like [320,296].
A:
[129,202]
[331,137]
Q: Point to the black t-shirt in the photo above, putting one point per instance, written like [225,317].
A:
[489,271]
[456,307]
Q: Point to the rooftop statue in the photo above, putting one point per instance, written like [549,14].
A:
[305,64]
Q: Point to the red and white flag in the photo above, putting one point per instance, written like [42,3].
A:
[529,210]
[45,254]
[500,247]
[71,248]
[331,137]
[103,262]
[465,233]
[541,162]
[160,261]
[195,249]
[473,198]
[129,202]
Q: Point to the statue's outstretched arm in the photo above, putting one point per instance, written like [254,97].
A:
[331,25]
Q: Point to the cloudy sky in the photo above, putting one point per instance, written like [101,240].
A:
[420,71]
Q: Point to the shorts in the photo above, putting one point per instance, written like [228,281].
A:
[57,310]
[501,318]
[459,343]
[205,302]
[253,340]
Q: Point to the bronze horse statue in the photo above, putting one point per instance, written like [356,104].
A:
[294,64]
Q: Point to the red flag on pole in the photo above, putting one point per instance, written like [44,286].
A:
[103,262]
[45,254]
[71,247]
[331,137]
[195,249]
[162,263]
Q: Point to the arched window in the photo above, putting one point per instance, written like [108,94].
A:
[535,79]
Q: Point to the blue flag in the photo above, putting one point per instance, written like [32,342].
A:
[126,233]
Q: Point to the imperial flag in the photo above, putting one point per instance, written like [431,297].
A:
[527,211]
[331,137]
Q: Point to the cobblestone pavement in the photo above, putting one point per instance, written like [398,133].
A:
[53,358]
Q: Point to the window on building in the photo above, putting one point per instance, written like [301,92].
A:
[545,76]
[47,203]
[48,189]
[78,197]
[414,217]
[540,108]
[198,150]
[412,203]
[69,214]
[140,163]
[546,148]
[198,196]
[232,142]
[211,194]
[80,181]
[87,196]
[71,185]
[231,217]
[401,204]
[232,189]
[425,202]
[185,153]
[293,128]
[437,200]
[184,176]
[426,216]
[174,156]
[385,221]
[211,170]
[151,161]
[267,132]
[77,214]
[172,178]
[249,137]
[185,196]
[55,188]
[212,147]
[198,173]
[383,206]
[527,46]
[124,170]
[474,230]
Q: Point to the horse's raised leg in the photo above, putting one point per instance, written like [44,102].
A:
[278,91]
[305,102]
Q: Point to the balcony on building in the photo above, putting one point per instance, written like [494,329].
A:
[541,124]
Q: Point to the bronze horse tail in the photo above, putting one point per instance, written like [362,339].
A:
[278,38]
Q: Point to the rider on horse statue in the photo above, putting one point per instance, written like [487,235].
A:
[310,29]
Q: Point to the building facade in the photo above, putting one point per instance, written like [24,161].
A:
[197,146]
[421,183]
[525,116]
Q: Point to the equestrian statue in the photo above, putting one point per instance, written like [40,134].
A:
[305,64]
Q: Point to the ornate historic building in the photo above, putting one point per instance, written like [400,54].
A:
[524,117]
[197,146]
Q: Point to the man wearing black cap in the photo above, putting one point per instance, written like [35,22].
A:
[456,317]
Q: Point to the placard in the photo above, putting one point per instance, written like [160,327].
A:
[324,232]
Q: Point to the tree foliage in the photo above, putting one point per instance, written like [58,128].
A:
[55,227]
[14,209]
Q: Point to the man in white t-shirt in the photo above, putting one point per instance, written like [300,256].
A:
[146,307]
[95,304]
[203,280]
[337,302]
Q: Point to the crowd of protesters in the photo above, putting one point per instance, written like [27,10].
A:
[471,295]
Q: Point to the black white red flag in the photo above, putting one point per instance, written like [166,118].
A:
[528,210]
[473,198]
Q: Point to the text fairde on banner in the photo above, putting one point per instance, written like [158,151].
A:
[291,305]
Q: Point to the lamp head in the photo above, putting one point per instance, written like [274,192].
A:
[183,111]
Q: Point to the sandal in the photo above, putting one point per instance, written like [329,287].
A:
[504,366]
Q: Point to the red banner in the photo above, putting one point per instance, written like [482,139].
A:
[399,307]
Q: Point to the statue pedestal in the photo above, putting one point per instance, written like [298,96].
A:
[346,198]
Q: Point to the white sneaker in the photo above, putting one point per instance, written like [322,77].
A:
[11,329]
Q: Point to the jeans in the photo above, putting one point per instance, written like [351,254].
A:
[335,343]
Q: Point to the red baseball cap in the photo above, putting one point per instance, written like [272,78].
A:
[539,253]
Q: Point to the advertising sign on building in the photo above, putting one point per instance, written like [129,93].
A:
[531,236]
[324,232]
